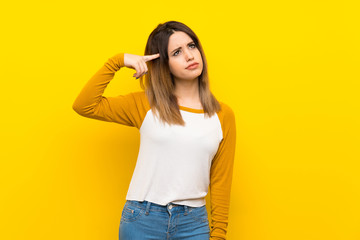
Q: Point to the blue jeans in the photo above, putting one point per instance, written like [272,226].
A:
[146,220]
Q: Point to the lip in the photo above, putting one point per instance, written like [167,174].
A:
[193,65]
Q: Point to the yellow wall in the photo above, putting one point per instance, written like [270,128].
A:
[289,70]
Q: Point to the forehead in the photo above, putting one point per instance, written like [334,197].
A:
[178,39]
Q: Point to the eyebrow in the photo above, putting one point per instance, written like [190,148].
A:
[180,47]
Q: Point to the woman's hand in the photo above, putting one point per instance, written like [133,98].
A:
[138,63]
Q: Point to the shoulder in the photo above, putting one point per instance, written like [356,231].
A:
[140,98]
[227,120]
[226,111]
[138,93]
[137,96]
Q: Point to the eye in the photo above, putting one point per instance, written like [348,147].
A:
[192,45]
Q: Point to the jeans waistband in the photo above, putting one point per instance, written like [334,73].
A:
[150,206]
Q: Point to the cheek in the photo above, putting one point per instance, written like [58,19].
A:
[200,58]
[173,65]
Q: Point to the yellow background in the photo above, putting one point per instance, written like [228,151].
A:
[289,70]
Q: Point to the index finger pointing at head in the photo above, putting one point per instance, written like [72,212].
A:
[151,57]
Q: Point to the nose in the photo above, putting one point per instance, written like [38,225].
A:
[188,55]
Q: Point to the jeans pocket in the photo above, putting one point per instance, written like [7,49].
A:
[199,214]
[131,213]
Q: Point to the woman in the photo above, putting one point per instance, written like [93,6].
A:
[187,138]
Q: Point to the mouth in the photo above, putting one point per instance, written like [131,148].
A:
[192,66]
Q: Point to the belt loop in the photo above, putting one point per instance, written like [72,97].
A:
[186,210]
[147,208]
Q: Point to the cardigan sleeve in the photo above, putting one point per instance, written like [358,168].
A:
[221,175]
[126,109]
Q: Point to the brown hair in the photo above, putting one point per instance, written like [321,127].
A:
[159,83]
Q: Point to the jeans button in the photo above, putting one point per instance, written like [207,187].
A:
[170,206]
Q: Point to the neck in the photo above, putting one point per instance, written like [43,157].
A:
[187,92]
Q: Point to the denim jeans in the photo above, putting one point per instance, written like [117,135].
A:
[146,220]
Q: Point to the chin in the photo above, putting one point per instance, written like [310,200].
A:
[195,75]
[190,76]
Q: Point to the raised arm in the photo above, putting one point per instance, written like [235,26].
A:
[92,104]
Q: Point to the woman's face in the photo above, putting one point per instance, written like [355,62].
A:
[182,52]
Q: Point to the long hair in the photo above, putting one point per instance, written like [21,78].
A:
[159,83]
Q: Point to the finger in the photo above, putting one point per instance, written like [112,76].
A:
[145,70]
[141,75]
[151,57]
[137,68]
[141,70]
[145,67]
